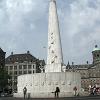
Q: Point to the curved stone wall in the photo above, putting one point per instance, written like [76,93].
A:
[44,84]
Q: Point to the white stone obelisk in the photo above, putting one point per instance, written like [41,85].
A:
[54,56]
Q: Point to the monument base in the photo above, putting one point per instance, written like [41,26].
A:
[43,85]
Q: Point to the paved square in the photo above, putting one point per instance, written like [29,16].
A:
[68,98]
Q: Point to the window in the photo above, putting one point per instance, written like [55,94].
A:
[20,72]
[10,73]
[24,67]
[25,72]
[6,68]
[10,59]
[33,71]
[11,67]
[98,74]
[33,66]
[26,58]
[97,55]
[15,67]
[15,72]
[29,72]
[15,77]
[20,66]
[29,66]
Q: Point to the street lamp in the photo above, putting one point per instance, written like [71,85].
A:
[41,67]
[13,84]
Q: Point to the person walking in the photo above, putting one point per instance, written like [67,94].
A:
[25,92]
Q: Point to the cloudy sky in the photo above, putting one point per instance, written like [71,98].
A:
[24,26]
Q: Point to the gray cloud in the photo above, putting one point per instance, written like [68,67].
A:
[81,29]
[24,24]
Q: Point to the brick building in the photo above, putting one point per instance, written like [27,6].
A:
[19,64]
[90,73]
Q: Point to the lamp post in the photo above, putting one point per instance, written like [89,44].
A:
[41,67]
[13,84]
[44,52]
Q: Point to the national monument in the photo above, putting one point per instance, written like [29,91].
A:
[42,85]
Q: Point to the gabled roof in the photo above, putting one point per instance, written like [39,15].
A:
[1,50]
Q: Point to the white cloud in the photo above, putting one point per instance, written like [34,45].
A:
[18,24]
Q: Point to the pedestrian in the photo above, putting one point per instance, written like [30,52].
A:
[57,92]
[25,92]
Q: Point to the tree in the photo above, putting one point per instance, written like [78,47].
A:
[3,79]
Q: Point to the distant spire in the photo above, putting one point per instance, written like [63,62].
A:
[68,63]
[72,63]
[68,66]
[87,62]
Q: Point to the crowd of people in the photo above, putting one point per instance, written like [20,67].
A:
[94,90]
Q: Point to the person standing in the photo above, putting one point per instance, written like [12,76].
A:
[24,92]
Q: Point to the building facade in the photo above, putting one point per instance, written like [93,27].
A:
[19,64]
[2,58]
[90,73]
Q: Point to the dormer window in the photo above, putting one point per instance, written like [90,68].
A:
[10,59]
[98,55]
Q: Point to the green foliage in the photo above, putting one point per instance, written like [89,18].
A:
[3,78]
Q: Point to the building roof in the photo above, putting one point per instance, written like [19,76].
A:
[20,58]
[96,49]
[85,66]
[1,50]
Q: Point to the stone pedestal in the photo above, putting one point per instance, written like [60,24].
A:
[43,85]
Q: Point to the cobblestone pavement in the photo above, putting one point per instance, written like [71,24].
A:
[68,98]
